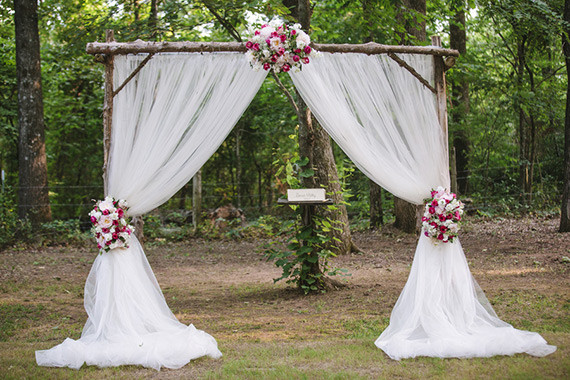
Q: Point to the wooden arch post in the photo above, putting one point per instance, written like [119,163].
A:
[440,66]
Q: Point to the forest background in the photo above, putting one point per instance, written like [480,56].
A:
[506,105]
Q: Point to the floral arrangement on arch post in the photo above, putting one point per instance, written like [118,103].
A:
[279,47]
[110,226]
[442,217]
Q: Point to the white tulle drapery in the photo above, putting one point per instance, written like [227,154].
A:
[386,122]
[166,123]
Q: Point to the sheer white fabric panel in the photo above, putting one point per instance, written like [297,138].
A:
[386,122]
[166,123]
[129,321]
[441,312]
[171,118]
[383,118]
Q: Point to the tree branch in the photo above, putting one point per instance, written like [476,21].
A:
[287,94]
[228,26]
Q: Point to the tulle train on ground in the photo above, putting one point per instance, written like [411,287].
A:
[129,321]
[442,312]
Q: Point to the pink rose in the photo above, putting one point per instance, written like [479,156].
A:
[424,219]
[293,32]
[257,33]
[268,41]
[306,60]
[449,216]
[297,51]
[249,45]
[281,51]
[433,224]
[283,38]
[105,230]
[266,66]
[426,233]
[105,212]
[93,220]
[296,58]
[440,237]
[274,58]
[108,243]
[433,193]
[431,210]
[255,46]
[434,203]
[442,218]
[120,212]
[285,68]
[307,50]
[115,235]
[443,228]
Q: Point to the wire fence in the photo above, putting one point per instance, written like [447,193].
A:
[218,193]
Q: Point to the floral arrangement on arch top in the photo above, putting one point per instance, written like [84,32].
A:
[279,47]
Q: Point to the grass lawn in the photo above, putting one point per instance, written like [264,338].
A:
[270,331]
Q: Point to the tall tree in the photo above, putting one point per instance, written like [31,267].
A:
[407,214]
[315,144]
[459,94]
[565,207]
[375,192]
[33,192]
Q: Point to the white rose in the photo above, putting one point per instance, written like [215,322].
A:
[106,221]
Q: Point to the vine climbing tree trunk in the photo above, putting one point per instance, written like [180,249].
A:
[33,192]
[565,206]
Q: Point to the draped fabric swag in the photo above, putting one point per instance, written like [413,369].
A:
[385,120]
[167,122]
[173,116]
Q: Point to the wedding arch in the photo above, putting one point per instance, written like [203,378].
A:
[169,105]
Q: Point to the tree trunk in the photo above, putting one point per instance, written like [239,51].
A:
[376,211]
[460,97]
[315,144]
[565,206]
[238,168]
[407,214]
[153,20]
[197,198]
[414,29]
[33,192]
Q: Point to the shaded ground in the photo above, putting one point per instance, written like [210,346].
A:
[225,288]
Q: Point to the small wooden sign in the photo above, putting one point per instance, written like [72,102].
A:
[306,195]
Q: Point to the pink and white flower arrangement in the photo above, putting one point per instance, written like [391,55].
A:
[110,226]
[442,216]
[279,47]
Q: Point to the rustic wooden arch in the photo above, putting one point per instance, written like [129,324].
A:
[105,52]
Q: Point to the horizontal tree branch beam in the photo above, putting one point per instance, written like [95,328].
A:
[139,46]
[375,48]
